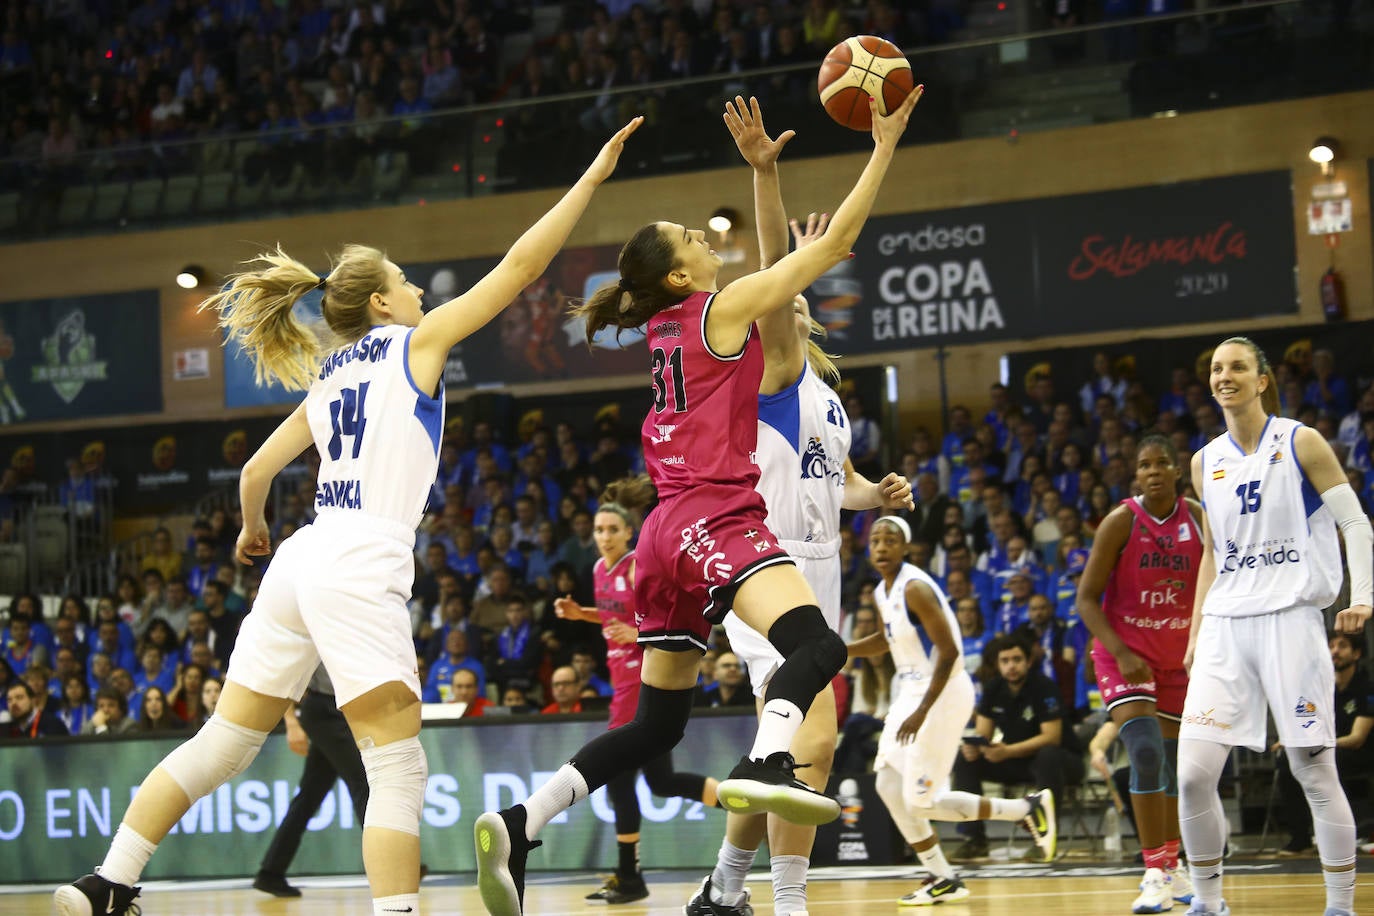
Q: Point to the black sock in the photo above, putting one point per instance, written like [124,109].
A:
[629,859]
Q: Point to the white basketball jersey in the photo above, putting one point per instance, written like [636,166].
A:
[377,434]
[911,647]
[1273,539]
[803,440]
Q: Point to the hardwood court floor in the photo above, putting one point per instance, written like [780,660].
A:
[1252,889]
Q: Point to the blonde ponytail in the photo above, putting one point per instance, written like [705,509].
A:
[822,363]
[256,311]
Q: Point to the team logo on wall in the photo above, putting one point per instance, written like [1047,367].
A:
[69,357]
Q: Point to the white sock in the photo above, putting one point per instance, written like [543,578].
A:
[778,725]
[789,884]
[1207,885]
[129,854]
[732,867]
[1340,889]
[563,790]
[1009,809]
[935,862]
[399,903]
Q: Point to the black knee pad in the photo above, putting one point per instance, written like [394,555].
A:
[813,654]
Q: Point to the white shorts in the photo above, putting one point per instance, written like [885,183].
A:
[926,763]
[336,593]
[755,652]
[1241,662]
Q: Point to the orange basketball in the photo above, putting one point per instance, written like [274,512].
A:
[858,68]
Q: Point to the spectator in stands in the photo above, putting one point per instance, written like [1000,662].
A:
[177,610]
[731,687]
[186,697]
[464,690]
[39,678]
[1354,715]
[516,699]
[1051,653]
[156,671]
[1036,747]
[1327,391]
[202,656]
[584,663]
[579,550]
[98,670]
[122,679]
[20,648]
[489,610]
[76,707]
[456,656]
[164,557]
[204,567]
[567,691]
[871,680]
[28,719]
[517,650]
[223,624]
[927,518]
[543,557]
[154,714]
[111,716]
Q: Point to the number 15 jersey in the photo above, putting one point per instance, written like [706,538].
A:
[1273,539]
[377,433]
[703,424]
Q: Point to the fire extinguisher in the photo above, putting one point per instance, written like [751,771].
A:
[1333,295]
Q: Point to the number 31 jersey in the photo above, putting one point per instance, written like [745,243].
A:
[703,424]
[1273,539]
[376,432]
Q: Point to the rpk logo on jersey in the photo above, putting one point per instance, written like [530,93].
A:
[816,464]
[1305,709]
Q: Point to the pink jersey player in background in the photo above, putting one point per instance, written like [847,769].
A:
[616,611]
[1136,596]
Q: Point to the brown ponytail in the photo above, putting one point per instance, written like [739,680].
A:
[640,294]
[628,493]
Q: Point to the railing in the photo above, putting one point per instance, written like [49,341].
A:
[1110,71]
[60,541]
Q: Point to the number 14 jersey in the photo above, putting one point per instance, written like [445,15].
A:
[377,434]
[1273,539]
[703,424]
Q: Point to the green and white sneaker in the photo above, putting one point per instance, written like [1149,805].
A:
[1041,823]
[936,891]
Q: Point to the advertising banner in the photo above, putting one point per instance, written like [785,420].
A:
[1140,257]
[80,356]
[61,802]
[532,340]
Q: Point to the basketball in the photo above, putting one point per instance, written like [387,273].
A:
[860,67]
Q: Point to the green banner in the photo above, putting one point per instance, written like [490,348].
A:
[60,803]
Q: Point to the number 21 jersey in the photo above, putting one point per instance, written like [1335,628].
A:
[377,434]
[703,424]
[1273,539]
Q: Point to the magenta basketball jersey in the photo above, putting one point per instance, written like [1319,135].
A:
[1149,597]
[615,598]
[703,425]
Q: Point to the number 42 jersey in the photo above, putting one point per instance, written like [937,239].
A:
[1273,539]
[376,432]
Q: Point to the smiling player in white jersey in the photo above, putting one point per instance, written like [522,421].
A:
[1274,495]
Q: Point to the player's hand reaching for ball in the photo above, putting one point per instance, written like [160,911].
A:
[887,130]
[605,162]
[1352,620]
[895,492]
[745,122]
[254,541]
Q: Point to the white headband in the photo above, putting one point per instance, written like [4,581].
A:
[898,523]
